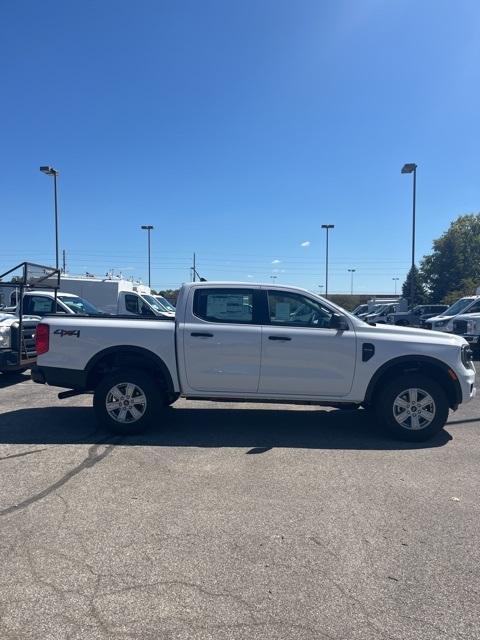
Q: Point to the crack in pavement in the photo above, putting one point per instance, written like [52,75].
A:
[91,460]
[25,453]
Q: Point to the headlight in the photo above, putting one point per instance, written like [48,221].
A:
[467,356]
[5,340]
[440,323]
[471,326]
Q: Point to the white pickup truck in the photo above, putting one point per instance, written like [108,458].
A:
[236,341]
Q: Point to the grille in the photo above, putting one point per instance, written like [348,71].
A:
[28,339]
[460,327]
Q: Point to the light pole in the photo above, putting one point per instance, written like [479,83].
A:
[273,279]
[411,167]
[50,171]
[395,280]
[148,228]
[351,272]
[327,227]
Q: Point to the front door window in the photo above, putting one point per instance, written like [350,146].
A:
[294,310]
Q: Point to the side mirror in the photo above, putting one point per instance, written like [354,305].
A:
[338,322]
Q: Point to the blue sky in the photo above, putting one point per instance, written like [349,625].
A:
[237,128]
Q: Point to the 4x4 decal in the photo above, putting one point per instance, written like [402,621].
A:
[66,332]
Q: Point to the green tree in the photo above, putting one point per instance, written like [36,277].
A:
[467,288]
[169,294]
[453,267]
[420,294]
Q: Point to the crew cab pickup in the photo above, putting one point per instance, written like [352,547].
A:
[244,342]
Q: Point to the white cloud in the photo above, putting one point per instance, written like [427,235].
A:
[276,261]
[249,276]
[305,244]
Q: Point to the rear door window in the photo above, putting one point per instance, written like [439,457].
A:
[234,306]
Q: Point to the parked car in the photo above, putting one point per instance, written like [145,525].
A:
[417,316]
[39,303]
[468,326]
[247,342]
[361,309]
[380,315]
[444,321]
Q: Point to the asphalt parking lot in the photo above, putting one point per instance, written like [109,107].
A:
[234,521]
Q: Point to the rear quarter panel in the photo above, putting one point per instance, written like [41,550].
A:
[73,342]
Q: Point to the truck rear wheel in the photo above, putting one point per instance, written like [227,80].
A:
[127,401]
[412,407]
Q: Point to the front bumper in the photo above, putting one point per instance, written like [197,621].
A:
[467,384]
[9,361]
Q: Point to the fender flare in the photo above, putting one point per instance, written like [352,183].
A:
[145,354]
[414,360]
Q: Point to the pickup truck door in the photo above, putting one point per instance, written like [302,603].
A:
[222,341]
[301,355]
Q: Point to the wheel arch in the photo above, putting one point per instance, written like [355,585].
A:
[435,369]
[115,357]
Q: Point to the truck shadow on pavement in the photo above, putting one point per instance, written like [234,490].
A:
[8,380]
[257,430]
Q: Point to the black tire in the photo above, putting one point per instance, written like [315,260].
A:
[170,398]
[144,387]
[386,407]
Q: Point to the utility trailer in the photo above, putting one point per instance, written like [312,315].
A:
[17,330]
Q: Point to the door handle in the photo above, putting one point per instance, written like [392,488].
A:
[282,338]
[201,335]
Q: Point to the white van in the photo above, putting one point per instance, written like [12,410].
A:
[116,296]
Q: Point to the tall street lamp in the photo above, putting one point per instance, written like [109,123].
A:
[274,278]
[148,228]
[411,167]
[351,272]
[327,227]
[50,171]
[395,280]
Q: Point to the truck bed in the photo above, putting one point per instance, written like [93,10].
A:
[75,340]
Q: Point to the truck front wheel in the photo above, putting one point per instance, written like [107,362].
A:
[412,407]
[127,401]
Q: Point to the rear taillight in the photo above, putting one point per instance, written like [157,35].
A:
[42,339]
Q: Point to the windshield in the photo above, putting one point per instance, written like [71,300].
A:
[378,308]
[457,307]
[166,303]
[79,305]
[155,304]
[360,309]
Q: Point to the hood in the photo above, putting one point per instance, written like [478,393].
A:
[467,316]
[10,318]
[440,317]
[411,332]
